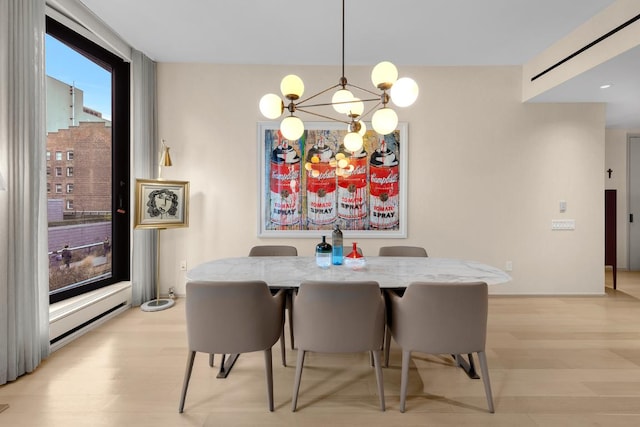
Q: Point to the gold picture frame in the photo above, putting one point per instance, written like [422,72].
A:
[173,210]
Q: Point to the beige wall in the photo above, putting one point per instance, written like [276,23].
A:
[486,172]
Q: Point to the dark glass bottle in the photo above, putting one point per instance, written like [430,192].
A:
[323,253]
[336,241]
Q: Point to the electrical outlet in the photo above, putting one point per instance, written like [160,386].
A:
[183,265]
[508,266]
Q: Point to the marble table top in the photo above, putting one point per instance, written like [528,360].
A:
[389,272]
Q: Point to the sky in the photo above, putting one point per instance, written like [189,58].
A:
[72,68]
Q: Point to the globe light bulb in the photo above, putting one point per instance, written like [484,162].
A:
[404,92]
[271,106]
[341,101]
[384,75]
[292,128]
[292,87]
[384,121]
[353,141]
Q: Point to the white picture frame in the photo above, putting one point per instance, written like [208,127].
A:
[289,193]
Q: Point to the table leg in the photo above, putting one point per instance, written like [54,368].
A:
[226,365]
[467,366]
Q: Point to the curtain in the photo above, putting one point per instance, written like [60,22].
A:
[24,282]
[145,161]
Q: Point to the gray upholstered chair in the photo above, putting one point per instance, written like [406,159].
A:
[279,250]
[232,318]
[338,317]
[402,251]
[441,318]
[273,250]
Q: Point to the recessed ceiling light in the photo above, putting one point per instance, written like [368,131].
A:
[606,86]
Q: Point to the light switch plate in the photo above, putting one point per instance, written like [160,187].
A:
[563,205]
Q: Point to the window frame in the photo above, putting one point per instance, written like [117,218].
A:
[120,158]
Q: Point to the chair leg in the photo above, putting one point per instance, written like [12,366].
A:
[187,376]
[376,357]
[296,384]
[406,358]
[387,345]
[268,366]
[211,357]
[485,379]
[283,348]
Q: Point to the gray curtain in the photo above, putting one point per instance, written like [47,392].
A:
[145,160]
[24,274]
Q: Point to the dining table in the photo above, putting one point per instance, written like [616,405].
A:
[391,273]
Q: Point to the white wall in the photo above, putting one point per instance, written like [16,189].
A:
[486,172]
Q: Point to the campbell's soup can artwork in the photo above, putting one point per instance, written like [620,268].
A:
[284,184]
[384,185]
[352,187]
[321,184]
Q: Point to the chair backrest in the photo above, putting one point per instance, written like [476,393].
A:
[232,317]
[336,317]
[273,250]
[441,318]
[416,251]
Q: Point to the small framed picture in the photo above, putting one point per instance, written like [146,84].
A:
[161,204]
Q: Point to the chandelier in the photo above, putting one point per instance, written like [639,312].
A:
[384,120]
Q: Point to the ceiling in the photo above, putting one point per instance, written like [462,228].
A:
[406,32]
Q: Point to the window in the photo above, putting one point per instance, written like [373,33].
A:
[58,171]
[48,187]
[48,155]
[48,170]
[86,77]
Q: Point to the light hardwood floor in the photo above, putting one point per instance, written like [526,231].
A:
[554,361]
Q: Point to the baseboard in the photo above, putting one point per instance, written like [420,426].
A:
[76,316]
